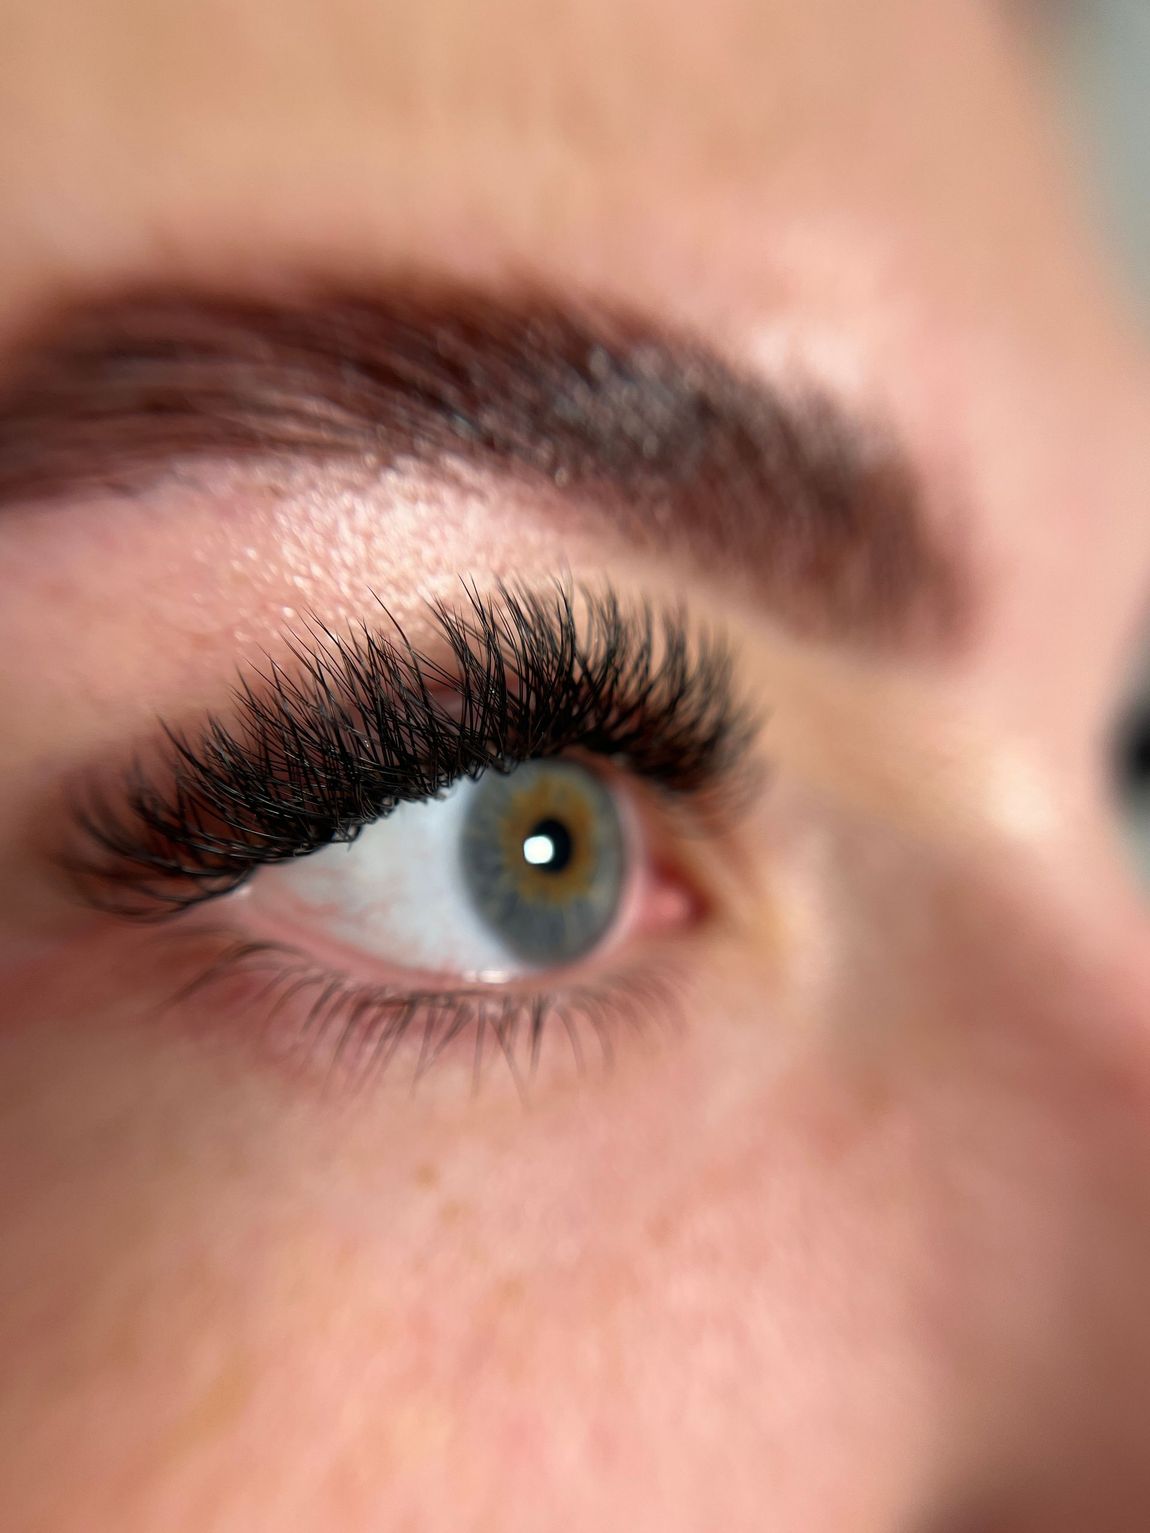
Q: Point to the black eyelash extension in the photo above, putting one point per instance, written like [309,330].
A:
[368,722]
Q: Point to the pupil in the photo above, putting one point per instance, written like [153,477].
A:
[549,846]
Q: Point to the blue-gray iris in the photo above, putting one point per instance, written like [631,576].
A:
[543,857]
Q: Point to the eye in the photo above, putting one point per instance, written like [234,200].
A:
[477,843]
[512,872]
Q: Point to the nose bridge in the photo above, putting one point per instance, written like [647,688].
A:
[1076,932]
[1049,944]
[1047,1118]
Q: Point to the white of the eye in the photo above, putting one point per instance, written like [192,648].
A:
[396,893]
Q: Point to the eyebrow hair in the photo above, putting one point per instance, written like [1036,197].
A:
[677,452]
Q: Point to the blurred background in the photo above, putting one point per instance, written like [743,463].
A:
[1103,49]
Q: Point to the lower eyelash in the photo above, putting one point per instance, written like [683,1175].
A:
[350,1035]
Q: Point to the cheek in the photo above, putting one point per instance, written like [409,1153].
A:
[841,1231]
[1002,1016]
[353,1305]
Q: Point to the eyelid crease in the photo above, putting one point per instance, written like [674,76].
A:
[316,756]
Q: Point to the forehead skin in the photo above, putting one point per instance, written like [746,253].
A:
[874,188]
[616,145]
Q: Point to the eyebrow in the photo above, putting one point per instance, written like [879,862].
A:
[784,496]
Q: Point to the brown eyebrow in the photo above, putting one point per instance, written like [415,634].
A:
[679,451]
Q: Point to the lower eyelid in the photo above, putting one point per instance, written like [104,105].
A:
[319,1024]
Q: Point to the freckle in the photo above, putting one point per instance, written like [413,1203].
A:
[426,1176]
[450,1212]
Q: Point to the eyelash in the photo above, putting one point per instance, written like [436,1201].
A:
[364,723]
[346,1028]
[368,727]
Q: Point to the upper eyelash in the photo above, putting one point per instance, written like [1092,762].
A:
[364,726]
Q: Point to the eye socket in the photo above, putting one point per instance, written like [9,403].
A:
[506,874]
[362,900]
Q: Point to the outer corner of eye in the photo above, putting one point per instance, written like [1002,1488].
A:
[546,867]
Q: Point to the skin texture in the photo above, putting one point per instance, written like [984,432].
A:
[862,1242]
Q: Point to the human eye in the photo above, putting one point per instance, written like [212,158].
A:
[446,850]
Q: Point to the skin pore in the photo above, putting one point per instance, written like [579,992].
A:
[858,1237]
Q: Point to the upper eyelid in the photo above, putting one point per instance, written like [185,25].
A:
[648,433]
[240,792]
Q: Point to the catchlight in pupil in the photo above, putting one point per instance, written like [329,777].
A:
[548,846]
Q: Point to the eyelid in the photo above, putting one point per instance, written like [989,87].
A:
[311,1010]
[330,1021]
[305,1016]
[313,758]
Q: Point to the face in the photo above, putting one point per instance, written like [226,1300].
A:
[570,958]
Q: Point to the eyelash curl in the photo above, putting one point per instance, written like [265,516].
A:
[325,744]
[367,722]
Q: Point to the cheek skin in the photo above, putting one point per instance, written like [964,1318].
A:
[350,1306]
[818,1231]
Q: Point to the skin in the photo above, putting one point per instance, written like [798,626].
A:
[863,1242]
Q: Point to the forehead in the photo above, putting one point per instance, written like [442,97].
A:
[650,145]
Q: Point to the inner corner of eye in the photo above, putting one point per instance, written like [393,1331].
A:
[543,868]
